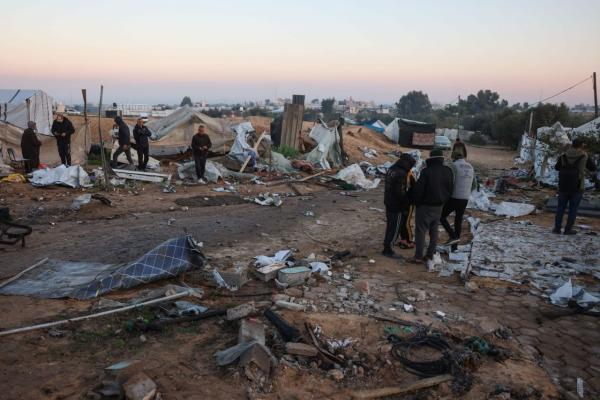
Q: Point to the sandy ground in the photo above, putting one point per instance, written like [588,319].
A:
[548,353]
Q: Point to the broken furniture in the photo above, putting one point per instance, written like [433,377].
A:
[11,233]
[18,163]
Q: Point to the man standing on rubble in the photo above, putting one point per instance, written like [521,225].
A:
[141,134]
[397,181]
[571,168]
[30,147]
[430,193]
[62,129]
[200,145]
[464,184]
[124,142]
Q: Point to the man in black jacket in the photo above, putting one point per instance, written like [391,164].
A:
[396,200]
[124,142]
[141,134]
[62,129]
[200,145]
[430,193]
[30,147]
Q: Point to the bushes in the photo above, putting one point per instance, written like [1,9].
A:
[287,151]
[477,139]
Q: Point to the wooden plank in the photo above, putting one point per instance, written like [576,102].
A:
[20,274]
[255,148]
[395,390]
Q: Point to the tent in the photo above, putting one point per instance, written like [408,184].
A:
[587,129]
[173,134]
[328,152]
[377,126]
[18,106]
[410,133]
[239,149]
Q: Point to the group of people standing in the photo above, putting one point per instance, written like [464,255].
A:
[62,129]
[439,191]
[141,134]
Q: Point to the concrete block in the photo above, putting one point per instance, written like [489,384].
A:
[139,387]
[269,272]
[251,329]
[241,311]
[293,276]
[301,349]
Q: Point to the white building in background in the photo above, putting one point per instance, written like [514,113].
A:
[133,110]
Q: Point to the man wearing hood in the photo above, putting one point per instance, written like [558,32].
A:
[124,138]
[396,202]
[141,133]
[62,129]
[430,193]
[571,168]
[30,147]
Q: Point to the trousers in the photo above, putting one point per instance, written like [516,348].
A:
[572,200]
[120,151]
[200,162]
[64,151]
[143,154]
[427,220]
[392,228]
[458,207]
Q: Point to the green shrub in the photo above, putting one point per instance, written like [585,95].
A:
[477,139]
[287,151]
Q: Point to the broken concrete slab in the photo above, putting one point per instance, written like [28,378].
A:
[269,272]
[301,349]
[290,306]
[259,355]
[139,387]
[293,276]
[241,311]
[251,330]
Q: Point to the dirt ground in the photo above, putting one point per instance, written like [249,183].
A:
[548,350]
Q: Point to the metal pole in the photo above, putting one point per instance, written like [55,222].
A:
[595,97]
[104,165]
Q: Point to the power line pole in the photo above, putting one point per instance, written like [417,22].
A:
[595,96]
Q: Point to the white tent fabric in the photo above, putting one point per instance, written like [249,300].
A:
[379,124]
[73,176]
[392,131]
[10,138]
[173,134]
[590,128]
[239,149]
[18,106]
[328,152]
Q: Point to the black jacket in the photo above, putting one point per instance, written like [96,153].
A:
[58,128]
[434,186]
[199,141]
[124,135]
[30,148]
[141,135]
[396,188]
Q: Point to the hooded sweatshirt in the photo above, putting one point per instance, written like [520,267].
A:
[435,184]
[398,181]
[463,179]
[124,134]
[572,155]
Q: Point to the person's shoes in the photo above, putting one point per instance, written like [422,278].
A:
[556,231]
[201,181]
[416,260]
[452,241]
[570,232]
[389,253]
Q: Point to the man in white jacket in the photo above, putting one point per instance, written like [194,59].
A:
[464,183]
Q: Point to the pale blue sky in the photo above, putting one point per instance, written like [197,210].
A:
[159,51]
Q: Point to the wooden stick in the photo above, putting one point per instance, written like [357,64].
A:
[283,181]
[17,276]
[255,148]
[393,390]
[313,176]
[100,314]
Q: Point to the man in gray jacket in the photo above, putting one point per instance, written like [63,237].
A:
[464,183]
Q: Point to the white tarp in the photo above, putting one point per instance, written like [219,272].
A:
[511,209]
[73,176]
[568,292]
[211,173]
[354,175]
[18,106]
[328,152]
[239,149]
[590,128]
[392,131]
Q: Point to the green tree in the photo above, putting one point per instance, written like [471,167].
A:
[483,102]
[327,106]
[187,101]
[414,104]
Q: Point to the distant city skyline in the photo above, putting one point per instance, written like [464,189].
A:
[235,51]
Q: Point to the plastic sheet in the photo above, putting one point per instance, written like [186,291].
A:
[510,209]
[73,176]
[354,175]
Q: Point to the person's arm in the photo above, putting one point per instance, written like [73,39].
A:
[417,192]
[195,145]
[70,128]
[53,129]
[589,164]
[209,144]
[36,141]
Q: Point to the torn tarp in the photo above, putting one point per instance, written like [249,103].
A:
[87,280]
[354,175]
[73,176]
[188,171]
[511,209]
[567,292]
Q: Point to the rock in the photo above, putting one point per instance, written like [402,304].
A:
[139,387]
[280,297]
[363,287]
[290,306]
[335,374]
[241,311]
[301,349]
[471,286]
[294,292]
[143,339]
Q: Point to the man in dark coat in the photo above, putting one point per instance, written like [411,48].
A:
[62,129]
[396,200]
[141,134]
[200,145]
[432,190]
[459,148]
[124,142]
[30,147]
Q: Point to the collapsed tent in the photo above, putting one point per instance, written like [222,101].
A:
[377,126]
[73,176]
[591,128]
[328,152]
[410,133]
[86,280]
[173,134]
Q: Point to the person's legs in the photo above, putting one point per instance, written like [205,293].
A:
[62,152]
[433,223]
[561,205]
[146,154]
[420,229]
[446,211]
[459,208]
[197,162]
[391,230]
[116,155]
[404,226]
[140,157]
[68,153]
[574,201]
[128,155]
[202,166]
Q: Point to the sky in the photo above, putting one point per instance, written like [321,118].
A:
[234,50]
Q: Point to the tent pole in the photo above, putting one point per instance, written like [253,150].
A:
[104,166]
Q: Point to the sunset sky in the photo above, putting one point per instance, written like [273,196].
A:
[159,51]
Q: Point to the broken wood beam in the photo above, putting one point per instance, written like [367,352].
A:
[395,390]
